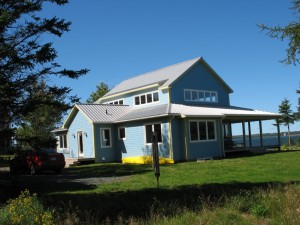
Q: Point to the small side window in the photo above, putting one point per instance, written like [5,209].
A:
[122,134]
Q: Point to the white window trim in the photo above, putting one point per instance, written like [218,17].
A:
[102,139]
[65,137]
[204,91]
[119,133]
[145,135]
[146,103]
[207,140]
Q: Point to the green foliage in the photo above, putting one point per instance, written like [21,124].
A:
[25,210]
[26,59]
[290,32]
[35,128]
[287,116]
[102,89]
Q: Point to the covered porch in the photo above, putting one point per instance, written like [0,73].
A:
[249,140]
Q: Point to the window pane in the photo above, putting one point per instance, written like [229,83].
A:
[149,98]
[201,96]
[143,99]
[194,95]
[155,97]
[116,103]
[187,95]
[214,97]
[148,133]
[193,131]
[202,130]
[121,102]
[65,141]
[207,96]
[106,137]
[157,130]
[122,133]
[137,100]
[211,130]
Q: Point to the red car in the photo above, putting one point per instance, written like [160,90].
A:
[35,161]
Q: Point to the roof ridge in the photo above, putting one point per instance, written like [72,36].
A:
[155,70]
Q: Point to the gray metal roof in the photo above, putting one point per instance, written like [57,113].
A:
[106,113]
[164,77]
[103,113]
[147,112]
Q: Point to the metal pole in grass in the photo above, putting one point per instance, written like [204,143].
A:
[155,157]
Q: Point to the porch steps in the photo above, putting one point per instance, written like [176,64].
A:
[71,161]
[76,161]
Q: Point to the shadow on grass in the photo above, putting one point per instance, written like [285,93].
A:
[72,179]
[143,203]
[108,170]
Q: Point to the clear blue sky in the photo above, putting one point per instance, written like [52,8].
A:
[118,39]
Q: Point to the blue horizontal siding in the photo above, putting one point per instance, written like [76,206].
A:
[106,154]
[199,78]
[135,144]
[81,123]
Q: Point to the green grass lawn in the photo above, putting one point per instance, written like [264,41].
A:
[257,170]
[233,189]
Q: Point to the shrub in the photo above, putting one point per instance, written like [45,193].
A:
[26,209]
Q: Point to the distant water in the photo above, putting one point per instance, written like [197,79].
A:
[267,140]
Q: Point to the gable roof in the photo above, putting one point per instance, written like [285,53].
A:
[106,113]
[162,78]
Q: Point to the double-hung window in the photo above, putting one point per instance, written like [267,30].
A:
[202,131]
[122,134]
[63,141]
[153,128]
[105,137]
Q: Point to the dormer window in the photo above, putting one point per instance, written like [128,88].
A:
[200,96]
[146,98]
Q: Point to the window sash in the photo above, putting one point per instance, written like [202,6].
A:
[202,131]
[122,133]
[106,137]
[150,128]
[200,96]
[146,98]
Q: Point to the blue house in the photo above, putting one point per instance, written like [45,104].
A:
[186,104]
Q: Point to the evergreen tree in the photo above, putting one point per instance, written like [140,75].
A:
[288,116]
[291,32]
[102,89]
[26,59]
[35,128]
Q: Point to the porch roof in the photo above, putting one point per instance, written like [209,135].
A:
[105,113]
[230,113]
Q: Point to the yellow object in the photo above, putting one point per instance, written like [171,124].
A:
[146,160]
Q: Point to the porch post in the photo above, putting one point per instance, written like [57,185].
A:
[278,134]
[249,130]
[260,133]
[244,135]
